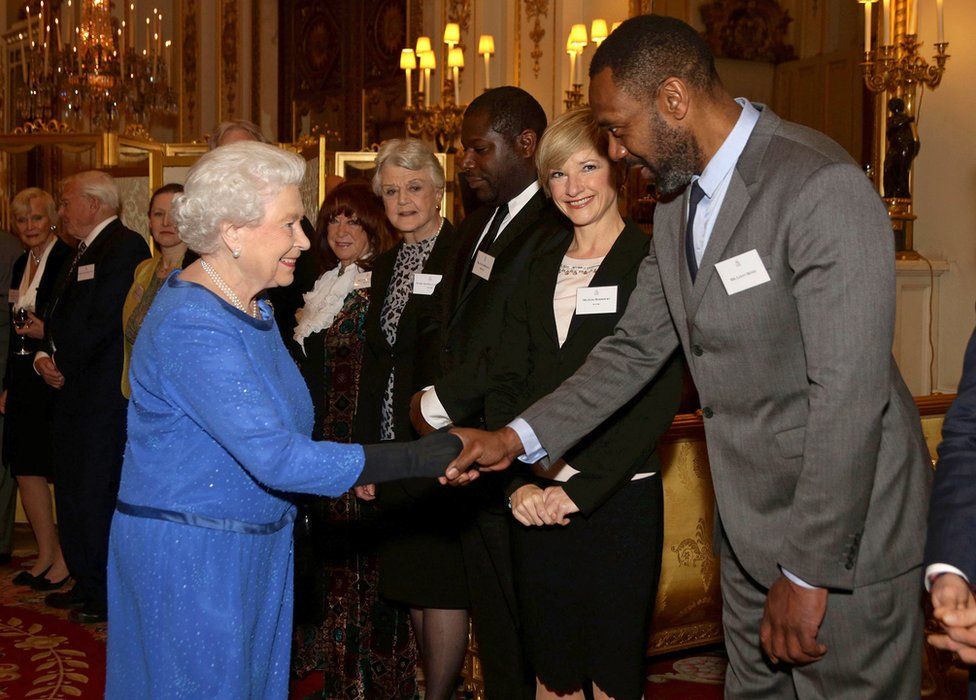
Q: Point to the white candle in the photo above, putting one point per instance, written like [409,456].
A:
[572,68]
[940,18]
[47,41]
[886,21]
[30,36]
[427,86]
[867,27]
[912,17]
[579,68]
[457,85]
[57,27]
[169,63]
[409,89]
[487,71]
[23,57]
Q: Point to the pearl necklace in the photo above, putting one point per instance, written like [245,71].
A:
[34,257]
[228,292]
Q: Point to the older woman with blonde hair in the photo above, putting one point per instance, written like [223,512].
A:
[27,401]
[219,433]
[587,547]
[420,561]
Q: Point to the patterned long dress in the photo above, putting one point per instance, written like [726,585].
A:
[360,642]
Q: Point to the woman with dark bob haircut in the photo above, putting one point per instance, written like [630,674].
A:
[357,640]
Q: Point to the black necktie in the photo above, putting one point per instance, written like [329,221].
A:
[490,235]
[696,195]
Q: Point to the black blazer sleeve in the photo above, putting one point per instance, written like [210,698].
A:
[16,275]
[952,515]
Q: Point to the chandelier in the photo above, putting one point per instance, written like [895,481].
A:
[439,121]
[82,69]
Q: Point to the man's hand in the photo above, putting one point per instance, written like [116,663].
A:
[791,621]
[420,423]
[529,506]
[492,451]
[366,492]
[955,610]
[559,505]
[49,372]
[34,328]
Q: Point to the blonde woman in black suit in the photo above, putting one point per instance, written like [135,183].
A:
[26,400]
[592,523]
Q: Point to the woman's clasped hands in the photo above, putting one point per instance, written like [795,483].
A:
[532,505]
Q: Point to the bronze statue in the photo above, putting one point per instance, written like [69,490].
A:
[902,148]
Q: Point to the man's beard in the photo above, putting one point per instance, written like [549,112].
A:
[678,156]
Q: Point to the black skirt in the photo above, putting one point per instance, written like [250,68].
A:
[420,561]
[586,591]
[27,421]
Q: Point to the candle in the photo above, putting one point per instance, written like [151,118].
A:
[57,26]
[30,36]
[68,22]
[159,35]
[867,27]
[47,41]
[486,47]
[169,62]
[428,61]
[408,61]
[455,59]
[457,86]
[572,68]
[886,22]
[940,18]
[122,51]
[146,50]
[912,17]
[23,56]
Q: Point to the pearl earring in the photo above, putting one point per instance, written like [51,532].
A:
[236,253]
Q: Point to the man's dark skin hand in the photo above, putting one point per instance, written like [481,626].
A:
[491,451]
[791,622]
[417,419]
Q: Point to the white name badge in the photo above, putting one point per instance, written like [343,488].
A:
[86,272]
[363,280]
[425,284]
[596,300]
[742,272]
[13,296]
[483,264]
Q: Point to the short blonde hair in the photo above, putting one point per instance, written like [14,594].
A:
[232,184]
[570,133]
[20,205]
[411,154]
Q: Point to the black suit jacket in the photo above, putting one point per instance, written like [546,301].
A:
[530,364]
[413,360]
[60,253]
[474,309]
[952,514]
[84,326]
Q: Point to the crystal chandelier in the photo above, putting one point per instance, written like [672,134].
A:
[82,69]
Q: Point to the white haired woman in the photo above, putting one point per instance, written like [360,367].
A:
[26,401]
[200,569]
[420,557]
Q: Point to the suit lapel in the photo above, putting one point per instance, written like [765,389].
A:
[542,286]
[379,288]
[668,242]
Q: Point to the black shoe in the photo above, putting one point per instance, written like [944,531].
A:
[26,578]
[90,614]
[68,600]
[45,584]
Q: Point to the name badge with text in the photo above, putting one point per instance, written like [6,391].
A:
[596,300]
[425,284]
[742,272]
[13,296]
[483,264]
[86,272]
[364,280]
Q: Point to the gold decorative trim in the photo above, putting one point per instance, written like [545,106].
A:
[39,126]
[228,72]
[189,125]
[677,638]
[518,43]
[535,10]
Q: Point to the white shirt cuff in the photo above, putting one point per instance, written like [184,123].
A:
[37,356]
[530,443]
[933,570]
[433,410]
[797,580]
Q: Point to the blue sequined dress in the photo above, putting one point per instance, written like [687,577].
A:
[200,561]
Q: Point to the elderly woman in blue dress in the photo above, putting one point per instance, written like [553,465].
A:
[200,568]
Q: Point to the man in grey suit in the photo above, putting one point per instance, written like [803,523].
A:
[774,270]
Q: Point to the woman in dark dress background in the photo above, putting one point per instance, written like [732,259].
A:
[420,556]
[26,400]
[360,642]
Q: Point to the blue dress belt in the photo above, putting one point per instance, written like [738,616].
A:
[224,524]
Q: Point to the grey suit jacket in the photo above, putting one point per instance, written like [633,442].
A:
[814,441]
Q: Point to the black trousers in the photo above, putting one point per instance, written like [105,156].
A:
[87,467]
[486,547]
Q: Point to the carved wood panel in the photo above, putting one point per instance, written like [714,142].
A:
[339,69]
